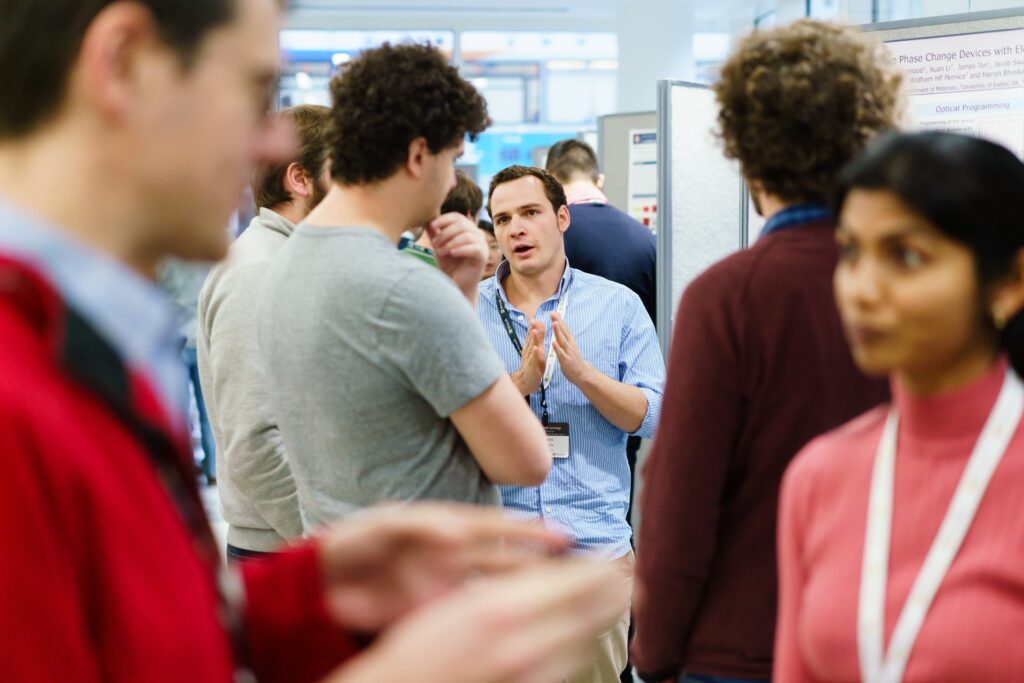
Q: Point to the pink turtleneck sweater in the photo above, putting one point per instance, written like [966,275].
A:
[974,630]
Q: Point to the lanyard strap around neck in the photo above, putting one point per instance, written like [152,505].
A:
[878,666]
[552,358]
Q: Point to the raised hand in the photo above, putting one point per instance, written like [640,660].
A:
[461,250]
[531,370]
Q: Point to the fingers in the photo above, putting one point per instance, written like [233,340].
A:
[553,615]
[450,226]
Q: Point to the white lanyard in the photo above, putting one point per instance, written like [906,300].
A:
[549,365]
[992,443]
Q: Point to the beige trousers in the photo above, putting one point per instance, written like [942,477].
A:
[612,647]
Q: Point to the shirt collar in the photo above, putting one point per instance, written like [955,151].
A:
[586,195]
[504,270]
[272,220]
[130,312]
[794,215]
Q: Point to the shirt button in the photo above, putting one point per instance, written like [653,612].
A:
[548,509]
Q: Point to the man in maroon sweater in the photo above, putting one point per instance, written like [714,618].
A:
[128,129]
[758,363]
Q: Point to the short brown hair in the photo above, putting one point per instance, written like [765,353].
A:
[800,101]
[552,188]
[40,42]
[388,97]
[568,159]
[465,198]
[310,123]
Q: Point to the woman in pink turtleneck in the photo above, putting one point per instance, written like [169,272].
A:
[930,286]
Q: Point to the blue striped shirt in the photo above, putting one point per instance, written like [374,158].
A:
[588,492]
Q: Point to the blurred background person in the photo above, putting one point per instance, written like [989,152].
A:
[758,365]
[917,502]
[494,256]
[182,281]
[256,488]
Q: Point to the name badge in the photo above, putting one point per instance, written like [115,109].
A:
[558,439]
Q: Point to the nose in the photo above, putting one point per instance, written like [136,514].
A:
[860,283]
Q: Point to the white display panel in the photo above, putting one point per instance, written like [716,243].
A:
[971,84]
[701,198]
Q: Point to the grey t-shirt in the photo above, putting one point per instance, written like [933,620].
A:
[368,353]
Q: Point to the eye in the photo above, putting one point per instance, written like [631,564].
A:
[848,252]
[908,257]
[532,212]
[502,220]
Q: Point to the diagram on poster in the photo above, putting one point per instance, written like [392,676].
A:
[643,177]
[971,84]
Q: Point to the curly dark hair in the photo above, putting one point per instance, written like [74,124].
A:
[388,97]
[800,101]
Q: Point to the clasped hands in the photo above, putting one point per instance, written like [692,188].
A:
[530,375]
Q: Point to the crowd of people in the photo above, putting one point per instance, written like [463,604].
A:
[426,424]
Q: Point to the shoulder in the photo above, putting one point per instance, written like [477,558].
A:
[420,291]
[609,295]
[827,459]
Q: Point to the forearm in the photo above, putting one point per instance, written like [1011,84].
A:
[623,405]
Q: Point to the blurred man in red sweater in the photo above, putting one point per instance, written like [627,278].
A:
[127,132]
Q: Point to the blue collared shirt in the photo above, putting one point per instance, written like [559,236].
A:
[588,492]
[131,313]
[796,214]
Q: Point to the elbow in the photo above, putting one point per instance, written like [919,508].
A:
[537,469]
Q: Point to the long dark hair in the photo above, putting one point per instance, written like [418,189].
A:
[971,190]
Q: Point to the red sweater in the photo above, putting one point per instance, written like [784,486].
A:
[758,367]
[973,630]
[100,578]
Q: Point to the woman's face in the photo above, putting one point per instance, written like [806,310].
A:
[908,295]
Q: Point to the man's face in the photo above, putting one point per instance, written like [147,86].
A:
[198,133]
[528,228]
[438,180]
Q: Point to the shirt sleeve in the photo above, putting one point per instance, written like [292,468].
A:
[431,333]
[641,364]
[685,474]
[788,663]
[251,448]
[291,637]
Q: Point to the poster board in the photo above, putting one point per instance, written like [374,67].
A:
[702,200]
[642,197]
[614,142]
[963,73]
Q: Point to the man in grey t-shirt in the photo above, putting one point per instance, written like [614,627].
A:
[384,385]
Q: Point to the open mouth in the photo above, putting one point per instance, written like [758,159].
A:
[522,249]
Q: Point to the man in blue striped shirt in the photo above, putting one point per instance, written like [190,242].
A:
[584,353]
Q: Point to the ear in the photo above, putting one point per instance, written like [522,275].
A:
[600,181]
[563,218]
[112,64]
[1008,298]
[416,161]
[297,182]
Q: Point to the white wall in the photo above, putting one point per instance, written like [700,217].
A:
[655,42]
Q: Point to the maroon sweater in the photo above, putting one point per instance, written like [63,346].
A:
[758,367]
